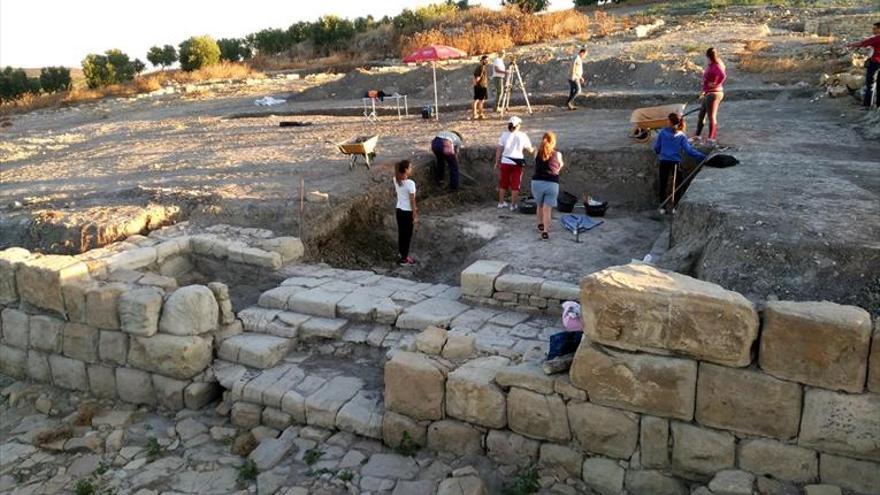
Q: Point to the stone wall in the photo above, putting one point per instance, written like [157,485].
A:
[489,283]
[677,383]
[114,322]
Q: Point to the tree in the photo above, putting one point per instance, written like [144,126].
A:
[164,56]
[14,83]
[233,49]
[270,41]
[54,79]
[113,67]
[138,66]
[331,32]
[363,24]
[198,52]
[528,6]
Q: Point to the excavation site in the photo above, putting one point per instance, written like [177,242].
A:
[204,288]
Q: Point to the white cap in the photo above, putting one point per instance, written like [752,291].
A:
[515,121]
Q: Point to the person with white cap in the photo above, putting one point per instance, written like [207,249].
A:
[510,161]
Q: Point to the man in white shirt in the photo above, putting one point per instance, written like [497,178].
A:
[510,160]
[576,78]
[499,72]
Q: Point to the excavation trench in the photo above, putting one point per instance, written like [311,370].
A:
[459,228]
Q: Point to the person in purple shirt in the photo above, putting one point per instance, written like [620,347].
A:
[671,141]
[712,94]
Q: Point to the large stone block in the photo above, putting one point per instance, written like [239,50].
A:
[817,343]
[254,350]
[842,424]
[415,386]
[538,416]
[169,392]
[657,385]
[472,395]
[526,375]
[603,430]
[654,442]
[852,474]
[402,431]
[639,307]
[80,342]
[519,284]
[102,305]
[39,280]
[604,476]
[700,452]
[563,457]
[747,402]
[190,310]
[13,362]
[9,261]
[290,248]
[75,298]
[511,449]
[16,328]
[38,366]
[478,280]
[171,355]
[135,386]
[456,437]
[316,302]
[197,395]
[102,381]
[139,311]
[653,483]
[45,333]
[437,311]
[782,461]
[113,347]
[68,373]
[323,406]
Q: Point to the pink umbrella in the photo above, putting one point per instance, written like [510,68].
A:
[433,53]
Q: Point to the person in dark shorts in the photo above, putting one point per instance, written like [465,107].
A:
[445,146]
[481,87]
[545,182]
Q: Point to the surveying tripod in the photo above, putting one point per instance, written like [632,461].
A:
[508,88]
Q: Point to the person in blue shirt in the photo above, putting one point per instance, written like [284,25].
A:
[671,141]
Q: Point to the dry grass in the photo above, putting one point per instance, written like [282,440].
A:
[760,64]
[141,84]
[480,30]
[752,46]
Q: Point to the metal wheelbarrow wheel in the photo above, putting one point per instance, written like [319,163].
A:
[640,134]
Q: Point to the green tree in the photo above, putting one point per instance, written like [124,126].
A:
[198,52]
[14,83]
[54,79]
[528,6]
[332,32]
[298,32]
[270,41]
[363,24]
[233,49]
[113,67]
[162,55]
[138,66]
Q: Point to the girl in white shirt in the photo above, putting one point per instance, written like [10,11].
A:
[407,212]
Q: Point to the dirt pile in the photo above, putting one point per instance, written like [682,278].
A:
[454,81]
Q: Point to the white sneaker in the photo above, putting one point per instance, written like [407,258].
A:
[512,207]
[503,204]
[711,142]
[661,211]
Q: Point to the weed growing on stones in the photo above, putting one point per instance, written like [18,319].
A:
[318,472]
[84,487]
[153,448]
[407,446]
[247,471]
[312,456]
[524,484]
[345,475]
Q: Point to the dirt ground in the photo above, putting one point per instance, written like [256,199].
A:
[808,183]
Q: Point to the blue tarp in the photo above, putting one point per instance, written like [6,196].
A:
[579,223]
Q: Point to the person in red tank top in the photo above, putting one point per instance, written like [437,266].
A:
[872,66]
[712,94]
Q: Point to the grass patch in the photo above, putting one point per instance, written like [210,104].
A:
[407,445]
[345,475]
[248,471]
[153,448]
[525,483]
[84,487]
[312,456]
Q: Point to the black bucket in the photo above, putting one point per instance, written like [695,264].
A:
[596,210]
[565,202]
[527,206]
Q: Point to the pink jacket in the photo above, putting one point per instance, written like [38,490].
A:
[713,78]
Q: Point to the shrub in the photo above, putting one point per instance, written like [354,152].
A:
[272,41]
[411,21]
[14,83]
[233,49]
[113,67]
[163,56]
[331,32]
[54,79]
[528,6]
[198,52]
[247,471]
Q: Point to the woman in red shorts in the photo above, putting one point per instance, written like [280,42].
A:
[510,160]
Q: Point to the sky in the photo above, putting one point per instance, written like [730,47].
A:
[39,33]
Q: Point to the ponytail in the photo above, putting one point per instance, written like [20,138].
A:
[676,122]
[548,146]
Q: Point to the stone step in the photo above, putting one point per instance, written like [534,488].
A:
[291,325]
[328,396]
[254,350]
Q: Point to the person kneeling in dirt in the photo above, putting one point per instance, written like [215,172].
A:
[872,67]
[445,146]
[671,141]
[407,212]
[509,158]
